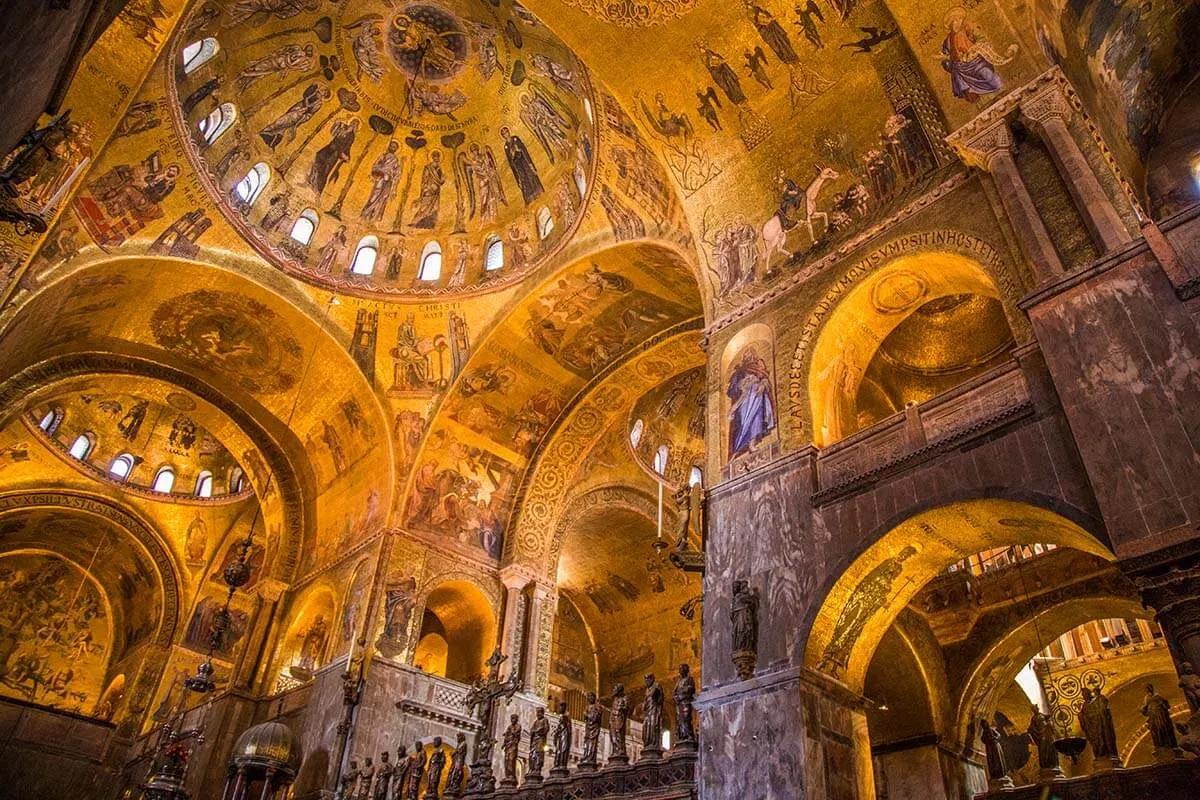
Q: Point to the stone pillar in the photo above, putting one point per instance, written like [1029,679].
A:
[513,629]
[537,612]
[1172,589]
[1048,111]
[991,149]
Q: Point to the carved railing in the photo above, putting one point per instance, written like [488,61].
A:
[672,777]
[975,408]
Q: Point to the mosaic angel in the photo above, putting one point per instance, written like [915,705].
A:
[282,62]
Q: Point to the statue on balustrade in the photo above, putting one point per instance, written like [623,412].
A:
[593,716]
[1097,722]
[562,742]
[458,767]
[618,725]
[400,773]
[993,750]
[365,775]
[348,787]
[652,708]
[685,698]
[1189,681]
[437,763]
[511,744]
[539,732]
[1157,711]
[1042,734]
[744,618]
[383,777]
[416,768]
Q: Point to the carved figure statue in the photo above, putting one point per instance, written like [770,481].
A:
[1041,733]
[618,725]
[744,618]
[689,504]
[562,741]
[510,745]
[437,762]
[365,776]
[539,732]
[593,716]
[400,773]
[416,767]
[348,788]
[684,697]
[1096,720]
[1189,681]
[652,708]
[383,777]
[994,752]
[458,767]
[1157,711]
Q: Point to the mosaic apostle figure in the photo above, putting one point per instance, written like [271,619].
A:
[327,163]
[283,129]
[385,172]
[425,208]
[522,165]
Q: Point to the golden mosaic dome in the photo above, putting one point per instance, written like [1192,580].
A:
[413,148]
[269,745]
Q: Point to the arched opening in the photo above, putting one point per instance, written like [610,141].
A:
[164,480]
[493,254]
[196,54]
[121,466]
[83,445]
[305,226]
[237,480]
[545,222]
[364,256]
[911,330]
[204,484]
[573,658]
[250,187]
[460,615]
[940,622]
[51,420]
[1173,166]
[431,262]
[305,645]
[635,433]
[219,120]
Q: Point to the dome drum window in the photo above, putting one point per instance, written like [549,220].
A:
[204,484]
[219,120]
[305,226]
[82,447]
[197,54]
[250,187]
[50,422]
[545,223]
[493,254]
[431,262]
[121,466]
[365,256]
[164,480]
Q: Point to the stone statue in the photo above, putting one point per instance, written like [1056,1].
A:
[348,788]
[689,524]
[593,716]
[458,767]
[744,617]
[652,708]
[992,749]
[618,725]
[1096,720]
[1041,733]
[437,762]
[400,773]
[1189,681]
[539,732]
[383,777]
[562,742]
[416,767]
[684,697]
[1157,711]
[365,775]
[511,744]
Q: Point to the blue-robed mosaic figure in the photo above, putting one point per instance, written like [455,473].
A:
[752,410]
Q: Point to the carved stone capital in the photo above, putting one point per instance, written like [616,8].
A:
[980,148]
[1048,102]
[270,589]
[517,576]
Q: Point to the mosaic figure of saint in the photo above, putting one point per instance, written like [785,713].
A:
[545,123]
[327,163]
[522,165]
[752,408]
[425,208]
[970,58]
[483,182]
[385,173]
[282,62]
[871,595]
[332,251]
[771,32]
[722,74]
[259,11]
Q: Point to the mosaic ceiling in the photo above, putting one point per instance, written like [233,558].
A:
[406,130]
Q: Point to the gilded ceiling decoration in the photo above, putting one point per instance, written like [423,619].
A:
[632,13]
[667,426]
[350,142]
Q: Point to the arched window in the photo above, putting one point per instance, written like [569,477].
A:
[580,180]
[365,255]
[305,226]
[660,459]
[52,420]
[81,448]
[587,108]
[237,480]
[197,53]
[696,477]
[204,484]
[217,122]
[250,187]
[545,222]
[164,480]
[493,254]
[635,433]
[121,466]
[431,262]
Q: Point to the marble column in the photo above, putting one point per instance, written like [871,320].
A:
[537,611]
[1172,589]
[991,149]
[513,628]
[1048,111]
